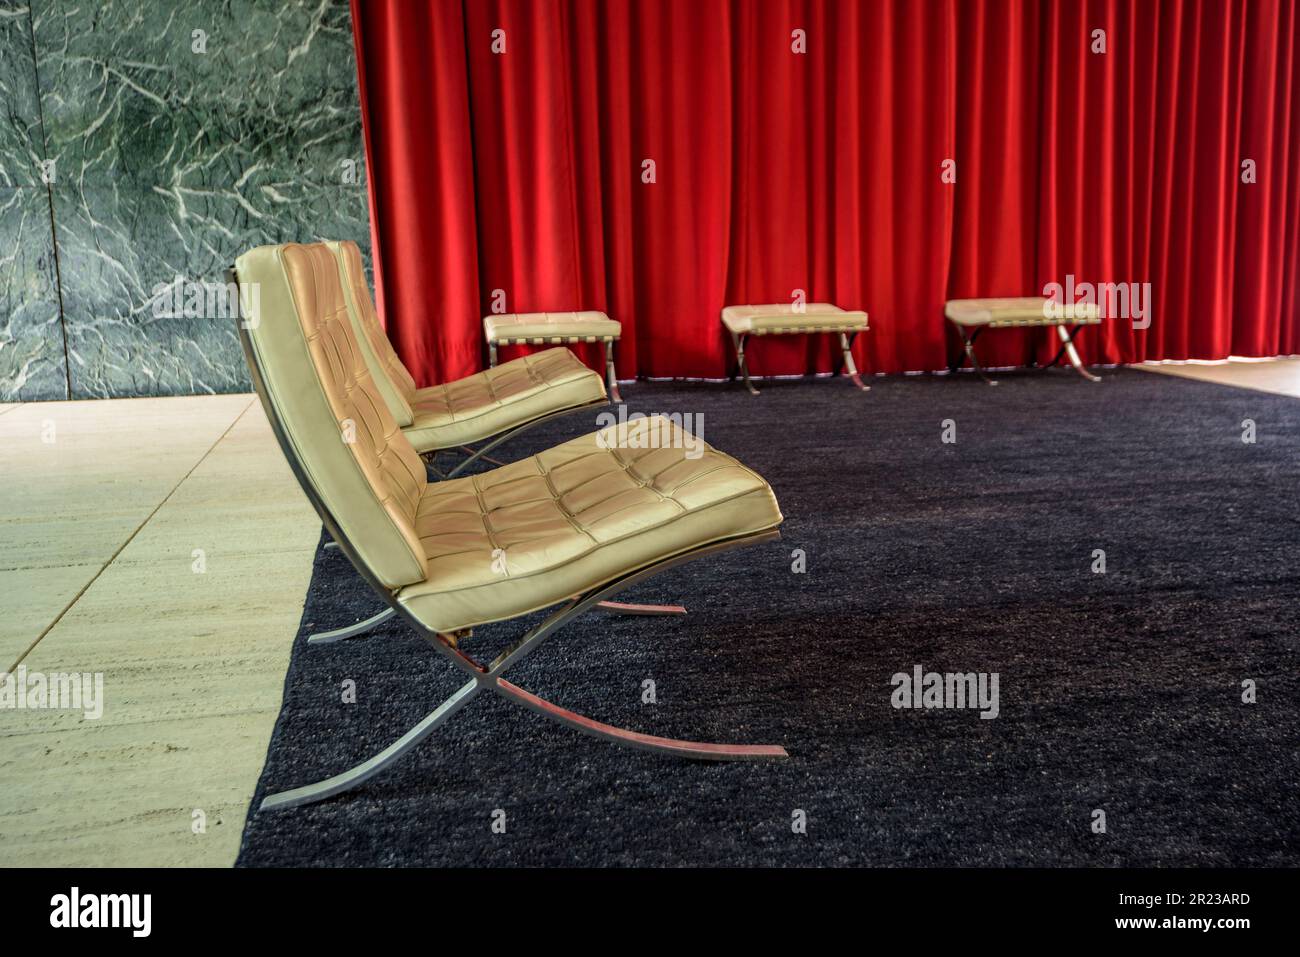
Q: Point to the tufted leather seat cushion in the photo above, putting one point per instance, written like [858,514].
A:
[548,326]
[470,409]
[781,318]
[1018,311]
[501,398]
[532,533]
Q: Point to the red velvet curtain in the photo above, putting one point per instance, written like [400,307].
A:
[522,171]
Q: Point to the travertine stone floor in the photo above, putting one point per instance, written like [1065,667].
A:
[109,510]
[1275,375]
[164,543]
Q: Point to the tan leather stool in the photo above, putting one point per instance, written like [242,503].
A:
[794,319]
[972,316]
[554,328]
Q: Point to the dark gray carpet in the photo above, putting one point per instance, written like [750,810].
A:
[1119,691]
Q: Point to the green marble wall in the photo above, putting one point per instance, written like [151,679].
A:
[31,328]
[181,134]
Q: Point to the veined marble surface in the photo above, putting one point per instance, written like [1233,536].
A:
[31,331]
[181,135]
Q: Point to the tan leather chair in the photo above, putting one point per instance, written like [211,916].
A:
[571,526]
[490,406]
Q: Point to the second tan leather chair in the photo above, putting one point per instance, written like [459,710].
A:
[570,526]
[490,406]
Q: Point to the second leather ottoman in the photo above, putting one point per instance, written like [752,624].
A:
[555,328]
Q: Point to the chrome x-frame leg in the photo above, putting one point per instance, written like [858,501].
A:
[488,677]
[846,353]
[351,631]
[610,377]
[629,608]
[738,341]
[968,342]
[846,348]
[1068,349]
[1067,336]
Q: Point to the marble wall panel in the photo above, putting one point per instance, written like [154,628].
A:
[181,133]
[31,330]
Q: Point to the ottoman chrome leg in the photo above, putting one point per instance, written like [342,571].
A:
[969,342]
[738,340]
[846,346]
[1067,347]
[609,371]
[492,355]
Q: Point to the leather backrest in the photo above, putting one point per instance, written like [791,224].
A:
[390,374]
[347,444]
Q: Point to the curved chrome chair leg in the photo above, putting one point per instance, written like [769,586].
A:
[486,458]
[489,675]
[476,454]
[430,460]
[351,631]
[310,793]
[628,608]
[697,750]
